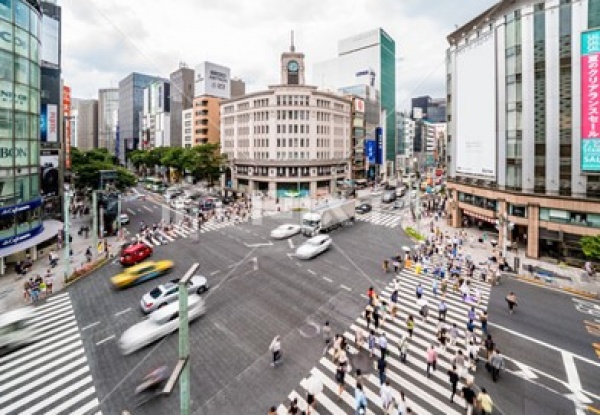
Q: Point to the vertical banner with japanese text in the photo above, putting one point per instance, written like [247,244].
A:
[590,101]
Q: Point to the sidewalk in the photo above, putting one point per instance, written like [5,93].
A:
[564,277]
[11,284]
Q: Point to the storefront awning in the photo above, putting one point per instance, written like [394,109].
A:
[51,229]
[479,216]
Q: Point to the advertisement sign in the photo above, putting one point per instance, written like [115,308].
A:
[590,101]
[49,178]
[213,80]
[22,237]
[379,139]
[475,107]
[50,42]
[49,123]
[67,117]
[359,105]
[371,151]
[13,210]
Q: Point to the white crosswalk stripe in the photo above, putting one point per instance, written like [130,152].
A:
[51,375]
[424,395]
[181,231]
[380,218]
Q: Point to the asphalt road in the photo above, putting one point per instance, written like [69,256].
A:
[257,292]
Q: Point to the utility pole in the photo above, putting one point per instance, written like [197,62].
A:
[119,214]
[95,218]
[67,238]
[184,342]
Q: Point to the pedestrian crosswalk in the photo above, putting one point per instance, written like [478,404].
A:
[381,218]
[182,231]
[51,375]
[424,395]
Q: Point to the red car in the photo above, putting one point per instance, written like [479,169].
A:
[135,254]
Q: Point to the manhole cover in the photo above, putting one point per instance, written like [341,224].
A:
[309,330]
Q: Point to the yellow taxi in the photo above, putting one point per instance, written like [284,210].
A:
[140,273]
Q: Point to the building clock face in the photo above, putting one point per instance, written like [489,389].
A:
[293,66]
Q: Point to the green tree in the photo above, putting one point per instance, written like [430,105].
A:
[205,162]
[86,168]
[591,246]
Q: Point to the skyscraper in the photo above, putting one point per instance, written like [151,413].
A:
[131,104]
[108,117]
[182,94]
[367,58]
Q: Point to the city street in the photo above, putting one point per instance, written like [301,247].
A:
[259,290]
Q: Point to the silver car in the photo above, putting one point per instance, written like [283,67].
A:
[314,246]
[167,293]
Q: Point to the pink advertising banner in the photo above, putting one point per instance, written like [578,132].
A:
[590,101]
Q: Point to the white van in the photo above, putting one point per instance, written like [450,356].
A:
[16,329]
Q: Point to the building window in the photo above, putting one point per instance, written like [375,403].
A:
[539,58]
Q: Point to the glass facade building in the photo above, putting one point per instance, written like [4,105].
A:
[20,202]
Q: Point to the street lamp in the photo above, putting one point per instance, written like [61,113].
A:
[504,224]
[184,341]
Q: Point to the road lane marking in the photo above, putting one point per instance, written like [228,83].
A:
[291,243]
[549,346]
[123,312]
[345,288]
[147,208]
[105,340]
[215,272]
[131,211]
[89,326]
[327,279]
[364,296]
[311,271]
[574,382]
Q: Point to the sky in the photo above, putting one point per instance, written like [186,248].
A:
[105,40]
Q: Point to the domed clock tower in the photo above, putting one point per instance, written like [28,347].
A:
[292,66]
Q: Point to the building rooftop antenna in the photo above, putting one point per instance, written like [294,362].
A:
[292,47]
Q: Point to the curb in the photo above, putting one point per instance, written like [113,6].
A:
[582,293]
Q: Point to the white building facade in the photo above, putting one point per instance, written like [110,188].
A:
[156,116]
[187,129]
[518,108]
[290,139]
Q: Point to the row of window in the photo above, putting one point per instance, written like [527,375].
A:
[261,116]
[20,189]
[302,100]
[293,129]
[20,223]
[261,129]
[571,218]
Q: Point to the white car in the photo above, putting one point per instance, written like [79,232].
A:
[314,246]
[178,204]
[167,293]
[285,231]
[158,325]
[124,218]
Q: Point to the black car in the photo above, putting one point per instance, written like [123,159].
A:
[364,208]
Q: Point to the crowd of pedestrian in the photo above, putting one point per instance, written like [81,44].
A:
[38,287]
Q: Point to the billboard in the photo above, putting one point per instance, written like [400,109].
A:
[379,139]
[590,101]
[67,117]
[371,151]
[49,174]
[212,79]
[475,110]
[49,45]
[49,123]
[359,105]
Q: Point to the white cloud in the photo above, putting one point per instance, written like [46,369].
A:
[103,41]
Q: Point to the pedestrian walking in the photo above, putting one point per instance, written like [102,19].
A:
[359,337]
[423,307]
[511,299]
[443,285]
[275,349]
[471,314]
[419,291]
[360,400]
[483,319]
[489,346]
[326,336]
[431,357]
[442,310]
[459,361]
[368,315]
[293,409]
[473,353]
[394,305]
[485,402]
[410,325]
[469,395]
[383,344]
[386,394]
[371,342]
[496,363]
[453,334]
[470,333]
[453,378]
[272,411]
[381,365]
[310,402]
[340,377]
[376,319]
[88,254]
[434,287]
[403,348]
[401,404]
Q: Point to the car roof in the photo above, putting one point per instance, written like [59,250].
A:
[166,312]
[134,247]
[319,238]
[139,266]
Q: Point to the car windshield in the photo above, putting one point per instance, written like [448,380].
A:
[311,223]
[155,293]
[314,242]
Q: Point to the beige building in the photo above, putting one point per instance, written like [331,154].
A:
[206,120]
[290,139]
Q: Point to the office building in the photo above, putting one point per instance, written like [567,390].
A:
[289,140]
[156,121]
[187,131]
[206,120]
[430,109]
[108,118]
[22,227]
[238,88]
[368,58]
[182,96]
[86,123]
[131,105]
[522,124]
